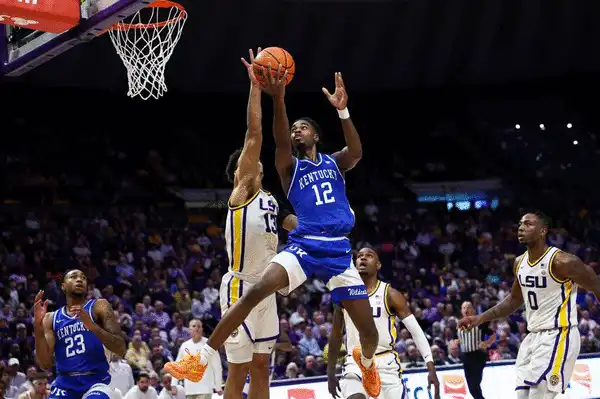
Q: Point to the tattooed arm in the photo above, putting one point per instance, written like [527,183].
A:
[569,267]
[108,329]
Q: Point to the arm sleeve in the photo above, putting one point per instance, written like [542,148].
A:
[413,327]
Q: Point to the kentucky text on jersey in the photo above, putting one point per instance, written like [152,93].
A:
[70,330]
[81,360]
[318,194]
[315,176]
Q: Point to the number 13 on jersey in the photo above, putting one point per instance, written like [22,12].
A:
[322,193]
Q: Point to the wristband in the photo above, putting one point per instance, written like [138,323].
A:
[343,113]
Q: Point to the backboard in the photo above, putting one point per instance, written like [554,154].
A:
[22,50]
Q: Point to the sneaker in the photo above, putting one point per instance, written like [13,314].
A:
[188,367]
[370,377]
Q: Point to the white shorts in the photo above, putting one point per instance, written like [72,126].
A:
[390,372]
[259,332]
[549,355]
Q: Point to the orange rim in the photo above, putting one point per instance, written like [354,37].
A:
[157,4]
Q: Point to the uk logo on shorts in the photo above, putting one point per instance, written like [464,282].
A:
[454,386]
[301,393]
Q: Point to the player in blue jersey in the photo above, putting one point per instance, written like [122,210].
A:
[75,338]
[318,247]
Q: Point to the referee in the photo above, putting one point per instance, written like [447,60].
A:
[473,350]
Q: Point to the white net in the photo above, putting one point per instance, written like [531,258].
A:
[145,44]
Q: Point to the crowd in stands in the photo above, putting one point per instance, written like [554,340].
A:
[160,266]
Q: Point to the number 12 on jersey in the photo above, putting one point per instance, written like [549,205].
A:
[326,189]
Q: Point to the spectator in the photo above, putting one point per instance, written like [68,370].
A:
[170,390]
[39,388]
[142,390]
[121,374]
[212,381]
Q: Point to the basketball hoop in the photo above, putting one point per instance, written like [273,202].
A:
[145,44]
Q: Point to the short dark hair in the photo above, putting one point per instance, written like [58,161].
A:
[142,375]
[64,276]
[314,125]
[544,219]
[232,164]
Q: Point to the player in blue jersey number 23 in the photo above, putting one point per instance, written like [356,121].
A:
[74,338]
[318,247]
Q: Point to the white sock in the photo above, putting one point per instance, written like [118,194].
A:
[206,353]
[367,363]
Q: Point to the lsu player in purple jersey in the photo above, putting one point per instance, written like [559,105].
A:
[318,247]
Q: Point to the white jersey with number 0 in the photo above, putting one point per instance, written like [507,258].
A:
[385,321]
[549,302]
[251,236]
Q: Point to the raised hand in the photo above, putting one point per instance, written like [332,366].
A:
[40,308]
[339,98]
[83,315]
[249,65]
[274,83]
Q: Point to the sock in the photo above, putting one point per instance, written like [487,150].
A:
[206,353]
[367,363]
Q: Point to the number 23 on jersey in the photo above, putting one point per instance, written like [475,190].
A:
[75,345]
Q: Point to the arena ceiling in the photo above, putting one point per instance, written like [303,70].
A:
[375,43]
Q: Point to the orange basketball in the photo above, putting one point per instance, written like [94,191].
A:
[273,57]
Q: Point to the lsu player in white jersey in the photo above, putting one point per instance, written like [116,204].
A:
[387,304]
[251,240]
[546,281]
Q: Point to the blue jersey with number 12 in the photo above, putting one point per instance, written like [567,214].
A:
[80,355]
[318,194]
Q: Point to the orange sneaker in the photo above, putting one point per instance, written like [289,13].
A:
[370,377]
[189,368]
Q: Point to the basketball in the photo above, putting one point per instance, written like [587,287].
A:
[273,57]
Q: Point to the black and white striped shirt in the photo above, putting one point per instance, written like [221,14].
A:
[470,340]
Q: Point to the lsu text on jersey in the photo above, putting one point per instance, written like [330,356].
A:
[251,240]
[550,350]
[387,359]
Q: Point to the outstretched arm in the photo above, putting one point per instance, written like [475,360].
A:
[569,267]
[398,306]
[284,159]
[250,156]
[44,342]
[247,167]
[108,329]
[349,156]
[508,305]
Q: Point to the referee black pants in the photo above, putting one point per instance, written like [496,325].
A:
[474,363]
